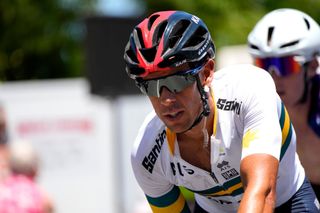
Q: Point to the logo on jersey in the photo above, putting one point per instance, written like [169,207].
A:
[226,171]
[149,160]
[181,169]
[226,105]
[223,165]
[230,174]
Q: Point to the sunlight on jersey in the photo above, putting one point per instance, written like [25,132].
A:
[248,138]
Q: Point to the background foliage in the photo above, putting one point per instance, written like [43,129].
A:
[44,39]
[41,39]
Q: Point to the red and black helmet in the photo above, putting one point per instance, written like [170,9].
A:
[168,40]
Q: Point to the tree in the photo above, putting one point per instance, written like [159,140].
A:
[41,39]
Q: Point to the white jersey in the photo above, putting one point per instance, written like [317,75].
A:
[249,118]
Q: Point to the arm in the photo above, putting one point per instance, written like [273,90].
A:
[261,144]
[161,194]
[173,201]
[259,175]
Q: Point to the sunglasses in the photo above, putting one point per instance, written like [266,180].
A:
[175,83]
[282,66]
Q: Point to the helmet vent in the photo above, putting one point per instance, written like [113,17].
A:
[140,37]
[158,33]
[197,38]
[270,32]
[252,46]
[307,23]
[178,31]
[132,55]
[152,19]
[289,44]
[149,53]
[136,70]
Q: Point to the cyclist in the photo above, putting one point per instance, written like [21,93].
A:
[286,42]
[226,136]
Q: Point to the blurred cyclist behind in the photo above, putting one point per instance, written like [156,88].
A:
[286,43]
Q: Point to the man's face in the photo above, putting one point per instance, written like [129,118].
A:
[290,88]
[178,110]
[175,97]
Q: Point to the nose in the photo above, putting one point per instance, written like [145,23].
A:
[166,96]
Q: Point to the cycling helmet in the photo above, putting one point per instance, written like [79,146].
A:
[284,32]
[167,40]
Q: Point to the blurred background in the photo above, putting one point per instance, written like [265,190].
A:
[64,87]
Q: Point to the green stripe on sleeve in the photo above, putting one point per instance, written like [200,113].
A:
[285,145]
[282,116]
[165,200]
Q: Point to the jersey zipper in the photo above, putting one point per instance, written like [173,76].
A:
[214,177]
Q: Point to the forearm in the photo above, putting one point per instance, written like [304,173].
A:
[257,202]
[251,203]
[259,175]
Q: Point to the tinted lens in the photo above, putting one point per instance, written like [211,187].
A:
[175,83]
[281,66]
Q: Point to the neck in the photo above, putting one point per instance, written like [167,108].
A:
[196,133]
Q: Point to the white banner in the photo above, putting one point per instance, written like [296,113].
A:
[73,133]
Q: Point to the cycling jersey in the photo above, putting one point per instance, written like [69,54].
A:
[249,118]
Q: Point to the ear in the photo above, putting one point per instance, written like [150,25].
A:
[208,72]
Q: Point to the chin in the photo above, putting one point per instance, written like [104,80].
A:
[177,128]
[177,125]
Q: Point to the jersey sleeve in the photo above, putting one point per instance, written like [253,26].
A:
[162,195]
[262,130]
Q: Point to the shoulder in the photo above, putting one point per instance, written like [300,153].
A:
[150,139]
[246,76]
[150,157]
[151,127]
[242,71]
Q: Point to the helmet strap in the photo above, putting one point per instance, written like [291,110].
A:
[204,98]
